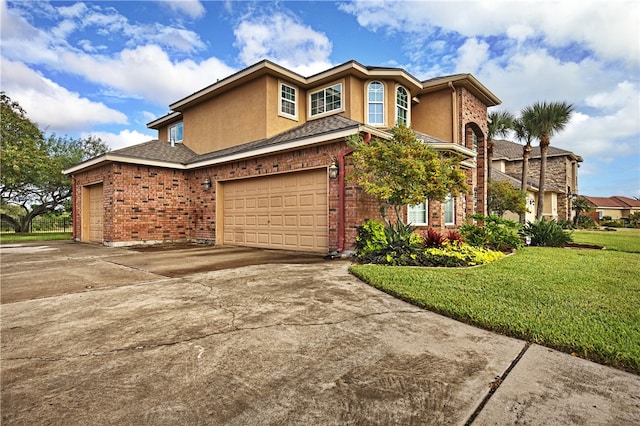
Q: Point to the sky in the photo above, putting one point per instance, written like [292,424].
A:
[108,68]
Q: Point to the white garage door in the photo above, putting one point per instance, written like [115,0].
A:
[285,211]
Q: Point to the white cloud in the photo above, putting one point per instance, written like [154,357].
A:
[471,55]
[122,139]
[51,106]
[147,71]
[559,23]
[192,8]
[282,39]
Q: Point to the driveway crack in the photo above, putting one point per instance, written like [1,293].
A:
[232,329]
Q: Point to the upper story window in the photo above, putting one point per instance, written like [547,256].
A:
[475,141]
[326,100]
[402,106]
[175,133]
[288,96]
[375,99]
[418,214]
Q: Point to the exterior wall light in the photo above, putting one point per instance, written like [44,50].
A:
[206,184]
[333,169]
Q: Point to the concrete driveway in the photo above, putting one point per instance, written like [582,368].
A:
[205,335]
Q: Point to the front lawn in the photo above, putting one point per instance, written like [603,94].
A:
[578,301]
[622,239]
[34,236]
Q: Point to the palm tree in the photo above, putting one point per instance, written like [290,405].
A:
[500,123]
[581,205]
[547,119]
[523,128]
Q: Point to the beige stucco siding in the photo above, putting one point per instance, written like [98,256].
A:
[433,115]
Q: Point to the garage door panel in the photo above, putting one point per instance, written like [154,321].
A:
[286,211]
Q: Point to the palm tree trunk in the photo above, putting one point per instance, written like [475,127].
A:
[526,152]
[489,159]
[544,148]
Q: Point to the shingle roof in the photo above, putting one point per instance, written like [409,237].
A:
[309,129]
[508,150]
[158,151]
[617,202]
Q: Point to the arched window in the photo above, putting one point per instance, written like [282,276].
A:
[402,106]
[375,99]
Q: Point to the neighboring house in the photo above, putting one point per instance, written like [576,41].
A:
[531,193]
[616,207]
[260,159]
[561,186]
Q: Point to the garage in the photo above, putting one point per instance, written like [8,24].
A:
[285,211]
[92,213]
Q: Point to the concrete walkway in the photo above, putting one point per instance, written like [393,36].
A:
[202,335]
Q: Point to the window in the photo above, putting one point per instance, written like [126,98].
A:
[175,133]
[375,96]
[402,106]
[288,100]
[326,100]
[450,210]
[418,214]
[475,141]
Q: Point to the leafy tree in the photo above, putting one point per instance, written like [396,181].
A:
[500,122]
[581,205]
[32,182]
[404,170]
[502,197]
[546,120]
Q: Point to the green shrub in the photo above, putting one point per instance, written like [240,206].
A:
[496,234]
[458,255]
[370,238]
[546,233]
[585,222]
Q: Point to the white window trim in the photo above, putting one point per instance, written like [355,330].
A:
[175,126]
[453,205]
[333,111]
[426,214]
[368,102]
[295,102]
[395,102]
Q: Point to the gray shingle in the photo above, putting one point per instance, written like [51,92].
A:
[507,150]
[158,151]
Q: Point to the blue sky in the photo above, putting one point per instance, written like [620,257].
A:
[108,68]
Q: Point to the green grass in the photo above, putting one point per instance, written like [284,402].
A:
[35,236]
[585,302]
[623,239]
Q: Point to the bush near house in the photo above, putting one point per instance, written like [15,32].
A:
[400,246]
[547,233]
[496,233]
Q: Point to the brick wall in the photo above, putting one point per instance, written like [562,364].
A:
[152,204]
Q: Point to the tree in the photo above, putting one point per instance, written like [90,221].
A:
[32,182]
[500,122]
[502,196]
[523,128]
[581,205]
[547,119]
[404,170]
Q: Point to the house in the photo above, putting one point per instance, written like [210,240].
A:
[259,159]
[616,207]
[561,182]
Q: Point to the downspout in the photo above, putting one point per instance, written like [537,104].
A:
[341,192]
[74,197]
[454,115]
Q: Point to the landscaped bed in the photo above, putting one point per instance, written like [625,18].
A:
[583,302]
